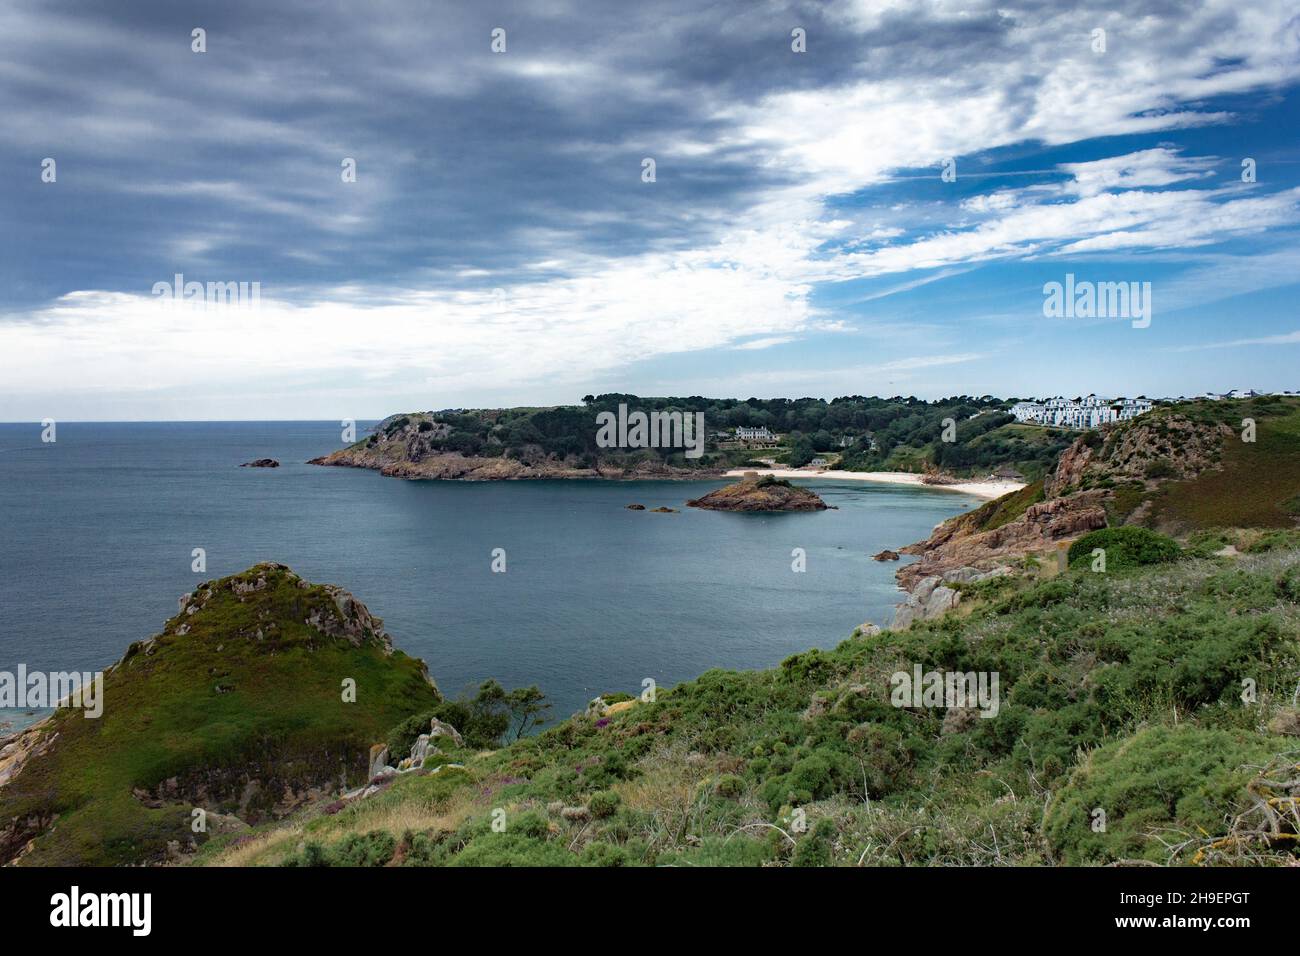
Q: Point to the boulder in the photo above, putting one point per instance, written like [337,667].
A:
[941,599]
[378,759]
[885,555]
[439,729]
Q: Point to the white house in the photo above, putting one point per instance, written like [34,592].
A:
[754,434]
[1089,412]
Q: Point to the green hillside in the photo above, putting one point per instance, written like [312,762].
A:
[233,706]
[1119,691]
[1258,483]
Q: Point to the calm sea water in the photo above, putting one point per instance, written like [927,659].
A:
[98,528]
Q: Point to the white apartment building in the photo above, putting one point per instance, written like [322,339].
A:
[1087,412]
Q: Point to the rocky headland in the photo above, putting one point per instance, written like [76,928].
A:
[414,445]
[263,693]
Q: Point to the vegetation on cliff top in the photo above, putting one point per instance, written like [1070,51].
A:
[1120,690]
[1197,465]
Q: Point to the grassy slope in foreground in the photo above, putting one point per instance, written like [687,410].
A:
[1118,690]
[243,689]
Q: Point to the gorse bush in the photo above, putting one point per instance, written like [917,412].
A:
[1127,546]
[1159,793]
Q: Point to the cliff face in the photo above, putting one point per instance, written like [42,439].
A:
[263,692]
[1168,446]
[762,494]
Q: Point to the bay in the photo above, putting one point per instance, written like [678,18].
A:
[99,527]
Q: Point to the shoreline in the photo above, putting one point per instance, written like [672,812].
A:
[978,488]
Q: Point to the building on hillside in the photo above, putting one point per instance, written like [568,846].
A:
[1089,412]
[818,462]
[761,436]
[1007,473]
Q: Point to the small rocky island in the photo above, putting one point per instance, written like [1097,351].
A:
[760,494]
[261,463]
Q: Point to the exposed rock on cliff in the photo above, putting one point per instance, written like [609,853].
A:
[1146,449]
[761,494]
[1042,527]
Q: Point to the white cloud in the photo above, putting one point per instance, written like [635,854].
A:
[1287,338]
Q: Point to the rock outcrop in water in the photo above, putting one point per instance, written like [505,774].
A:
[261,463]
[760,494]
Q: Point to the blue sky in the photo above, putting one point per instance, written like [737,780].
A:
[499,244]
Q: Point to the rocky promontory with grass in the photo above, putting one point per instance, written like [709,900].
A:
[507,444]
[1178,470]
[264,693]
[760,494]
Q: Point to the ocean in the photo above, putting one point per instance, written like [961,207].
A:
[99,527]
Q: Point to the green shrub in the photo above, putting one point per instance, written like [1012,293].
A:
[1176,783]
[729,786]
[816,847]
[370,849]
[603,803]
[1126,547]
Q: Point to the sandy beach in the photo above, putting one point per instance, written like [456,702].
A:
[980,489]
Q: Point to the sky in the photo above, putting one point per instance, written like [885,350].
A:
[878,213]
